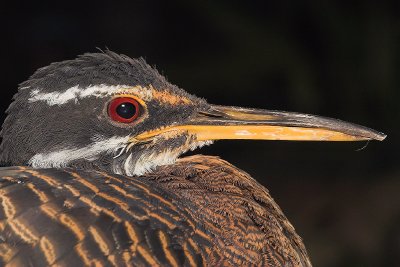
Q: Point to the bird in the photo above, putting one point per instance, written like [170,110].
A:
[93,172]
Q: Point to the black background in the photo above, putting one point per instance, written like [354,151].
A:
[333,58]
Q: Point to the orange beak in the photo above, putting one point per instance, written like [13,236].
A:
[221,122]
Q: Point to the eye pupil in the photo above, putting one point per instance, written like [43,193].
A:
[126,110]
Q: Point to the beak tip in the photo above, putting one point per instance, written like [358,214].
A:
[377,136]
[381,136]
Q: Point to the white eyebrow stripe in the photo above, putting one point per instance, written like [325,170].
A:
[61,158]
[75,93]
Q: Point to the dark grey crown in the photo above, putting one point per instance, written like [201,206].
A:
[95,68]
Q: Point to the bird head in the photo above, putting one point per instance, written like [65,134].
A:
[110,112]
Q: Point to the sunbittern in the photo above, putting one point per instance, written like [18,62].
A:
[99,180]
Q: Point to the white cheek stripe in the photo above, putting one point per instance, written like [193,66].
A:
[75,93]
[61,158]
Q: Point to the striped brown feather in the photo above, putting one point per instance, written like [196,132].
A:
[199,211]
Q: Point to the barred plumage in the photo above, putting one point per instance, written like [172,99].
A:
[199,211]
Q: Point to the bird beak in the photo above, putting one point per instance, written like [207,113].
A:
[222,122]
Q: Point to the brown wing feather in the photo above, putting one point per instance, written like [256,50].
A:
[200,211]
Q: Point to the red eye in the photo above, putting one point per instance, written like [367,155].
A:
[123,109]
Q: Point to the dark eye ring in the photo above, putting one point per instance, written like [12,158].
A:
[123,109]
